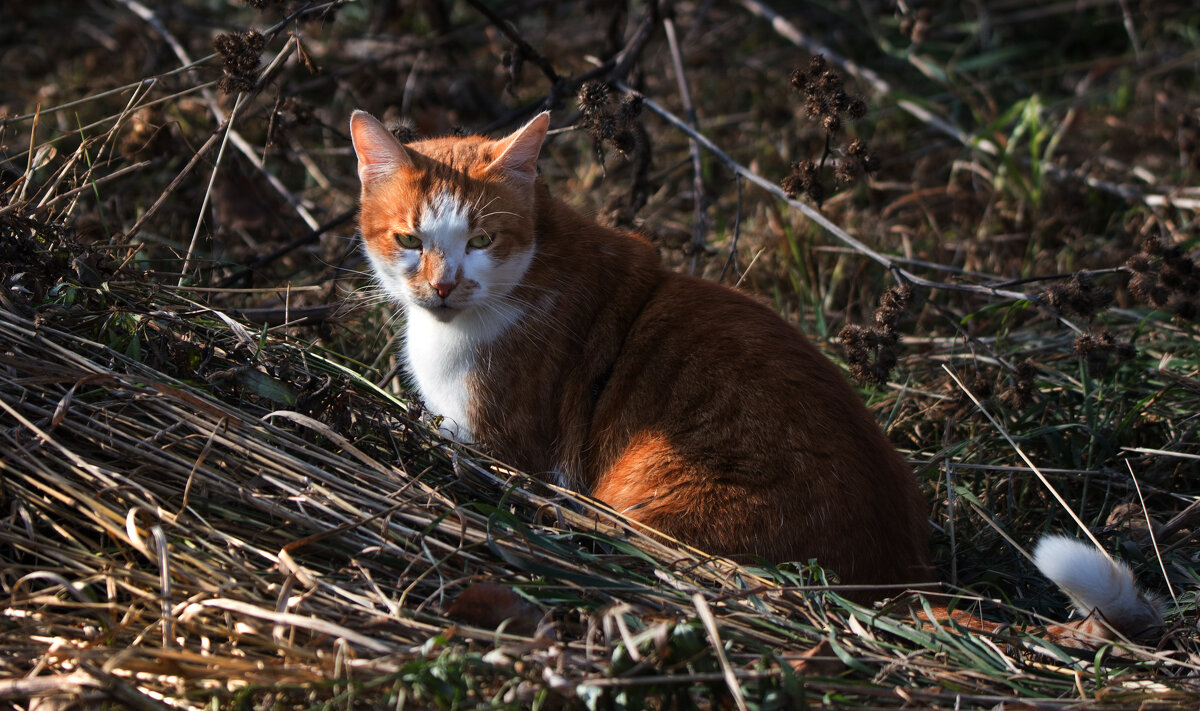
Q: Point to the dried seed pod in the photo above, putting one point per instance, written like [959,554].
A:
[593,96]
[240,56]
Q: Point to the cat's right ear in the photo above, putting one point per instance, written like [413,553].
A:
[379,153]
[519,152]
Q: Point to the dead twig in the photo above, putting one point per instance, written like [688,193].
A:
[295,244]
[212,179]
[527,51]
[98,181]
[689,110]
[1029,463]
[732,259]
[614,69]
[175,183]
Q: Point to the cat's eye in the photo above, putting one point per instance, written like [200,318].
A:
[408,241]
[479,241]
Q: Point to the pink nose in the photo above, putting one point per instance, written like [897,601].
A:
[443,288]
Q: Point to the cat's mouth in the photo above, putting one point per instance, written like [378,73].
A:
[443,312]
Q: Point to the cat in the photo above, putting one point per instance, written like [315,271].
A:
[567,349]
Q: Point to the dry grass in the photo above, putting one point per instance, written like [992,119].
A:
[243,521]
[214,491]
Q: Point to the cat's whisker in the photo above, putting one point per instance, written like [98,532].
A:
[371,289]
[513,286]
[543,315]
[498,212]
[393,321]
[372,295]
[343,271]
[524,304]
[532,335]
[365,302]
[476,207]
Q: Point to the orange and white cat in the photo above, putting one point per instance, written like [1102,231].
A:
[566,349]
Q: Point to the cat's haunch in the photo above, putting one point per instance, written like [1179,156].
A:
[566,348]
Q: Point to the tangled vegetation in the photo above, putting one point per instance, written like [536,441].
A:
[216,492]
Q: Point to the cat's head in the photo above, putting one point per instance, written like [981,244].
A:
[448,223]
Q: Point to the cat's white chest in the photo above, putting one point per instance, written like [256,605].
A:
[441,357]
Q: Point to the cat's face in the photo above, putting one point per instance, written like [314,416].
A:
[448,223]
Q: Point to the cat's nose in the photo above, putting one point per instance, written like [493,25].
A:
[443,288]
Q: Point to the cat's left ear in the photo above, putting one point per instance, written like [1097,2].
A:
[379,153]
[519,152]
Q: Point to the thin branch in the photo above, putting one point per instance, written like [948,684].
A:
[612,70]
[212,180]
[146,104]
[98,181]
[300,241]
[510,31]
[94,163]
[689,110]
[175,183]
[714,636]
[92,97]
[1153,537]
[1133,39]
[30,162]
[732,260]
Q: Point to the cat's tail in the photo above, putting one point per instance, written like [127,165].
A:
[1102,589]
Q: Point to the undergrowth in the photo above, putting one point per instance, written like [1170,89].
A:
[215,490]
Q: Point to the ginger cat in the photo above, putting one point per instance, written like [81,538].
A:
[565,348]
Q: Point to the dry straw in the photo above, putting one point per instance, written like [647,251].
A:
[199,512]
[179,530]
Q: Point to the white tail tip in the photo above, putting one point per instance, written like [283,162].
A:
[1099,587]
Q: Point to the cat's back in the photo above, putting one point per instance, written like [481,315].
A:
[717,343]
[718,404]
